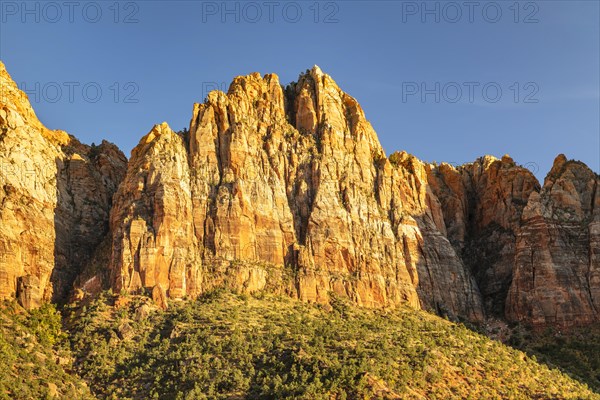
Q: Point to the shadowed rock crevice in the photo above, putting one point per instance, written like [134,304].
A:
[86,180]
[482,203]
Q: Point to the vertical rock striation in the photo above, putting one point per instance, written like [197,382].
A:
[289,190]
[151,221]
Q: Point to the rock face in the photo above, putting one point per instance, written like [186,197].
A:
[153,236]
[482,203]
[55,197]
[288,190]
[557,264]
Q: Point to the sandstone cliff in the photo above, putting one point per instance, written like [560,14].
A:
[288,190]
[55,199]
[557,264]
[482,204]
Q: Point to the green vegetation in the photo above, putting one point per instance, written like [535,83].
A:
[34,356]
[576,352]
[94,151]
[184,134]
[226,346]
[395,159]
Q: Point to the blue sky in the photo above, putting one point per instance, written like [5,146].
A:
[500,77]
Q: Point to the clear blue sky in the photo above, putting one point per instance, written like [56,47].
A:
[381,52]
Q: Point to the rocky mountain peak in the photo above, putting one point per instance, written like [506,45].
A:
[288,190]
[16,111]
[559,162]
[157,130]
[316,71]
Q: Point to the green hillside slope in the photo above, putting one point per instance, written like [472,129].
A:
[35,362]
[226,346]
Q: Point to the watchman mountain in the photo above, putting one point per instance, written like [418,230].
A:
[285,191]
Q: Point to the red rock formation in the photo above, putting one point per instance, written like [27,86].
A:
[288,190]
[55,197]
[151,221]
[557,269]
[483,202]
